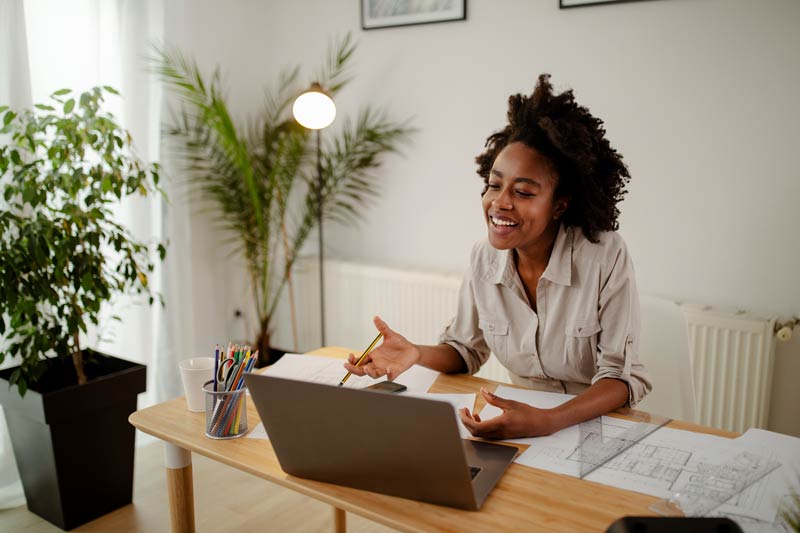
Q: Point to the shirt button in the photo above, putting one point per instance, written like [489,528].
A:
[491,327]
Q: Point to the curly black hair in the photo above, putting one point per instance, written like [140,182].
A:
[590,172]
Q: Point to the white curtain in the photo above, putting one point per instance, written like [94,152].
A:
[15,91]
[77,45]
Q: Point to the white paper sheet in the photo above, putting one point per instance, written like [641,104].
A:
[319,369]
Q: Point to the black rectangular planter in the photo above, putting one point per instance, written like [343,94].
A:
[74,446]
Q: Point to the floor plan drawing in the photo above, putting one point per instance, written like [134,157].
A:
[709,475]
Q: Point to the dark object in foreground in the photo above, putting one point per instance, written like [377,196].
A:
[670,524]
[73,444]
[386,386]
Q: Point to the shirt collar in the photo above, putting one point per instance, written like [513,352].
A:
[559,267]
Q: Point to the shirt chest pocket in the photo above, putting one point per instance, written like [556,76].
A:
[495,333]
[581,344]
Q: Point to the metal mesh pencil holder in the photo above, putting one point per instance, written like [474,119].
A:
[226,412]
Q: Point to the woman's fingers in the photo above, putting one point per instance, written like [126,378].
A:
[382,327]
[497,401]
[374,371]
[357,370]
[466,418]
[478,427]
[487,429]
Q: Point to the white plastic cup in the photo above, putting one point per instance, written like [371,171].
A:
[195,372]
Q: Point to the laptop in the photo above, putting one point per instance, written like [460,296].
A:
[388,443]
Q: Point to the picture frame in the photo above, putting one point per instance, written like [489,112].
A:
[377,14]
[567,4]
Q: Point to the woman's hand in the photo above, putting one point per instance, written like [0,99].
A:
[518,420]
[394,356]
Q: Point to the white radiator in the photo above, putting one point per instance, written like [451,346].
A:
[732,361]
[732,353]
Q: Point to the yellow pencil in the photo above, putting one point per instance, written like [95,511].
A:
[363,355]
[238,416]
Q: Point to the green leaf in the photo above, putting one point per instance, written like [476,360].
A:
[87,283]
[44,107]
[69,105]
[111,89]
[62,92]
[28,193]
[10,115]
[3,108]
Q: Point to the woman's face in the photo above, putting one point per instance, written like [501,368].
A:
[519,205]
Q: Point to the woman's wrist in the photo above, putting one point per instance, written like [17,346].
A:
[442,358]
[417,354]
[545,422]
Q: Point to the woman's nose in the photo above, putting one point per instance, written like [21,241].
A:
[503,200]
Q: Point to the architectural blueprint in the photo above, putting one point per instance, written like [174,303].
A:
[704,472]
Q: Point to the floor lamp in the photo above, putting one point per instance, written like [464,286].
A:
[315,110]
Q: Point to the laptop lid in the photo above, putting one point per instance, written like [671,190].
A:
[388,443]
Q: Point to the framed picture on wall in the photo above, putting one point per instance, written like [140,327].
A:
[563,4]
[389,13]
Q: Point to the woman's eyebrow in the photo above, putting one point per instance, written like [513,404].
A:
[528,181]
[519,179]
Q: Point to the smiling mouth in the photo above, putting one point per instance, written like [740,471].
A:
[502,223]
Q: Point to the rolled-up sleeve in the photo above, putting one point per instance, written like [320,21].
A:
[463,333]
[618,343]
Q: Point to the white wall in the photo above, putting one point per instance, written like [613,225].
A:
[699,96]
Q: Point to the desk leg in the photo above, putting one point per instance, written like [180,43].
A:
[339,520]
[179,485]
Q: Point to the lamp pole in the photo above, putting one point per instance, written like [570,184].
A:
[321,252]
[314,109]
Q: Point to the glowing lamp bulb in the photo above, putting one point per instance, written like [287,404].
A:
[314,109]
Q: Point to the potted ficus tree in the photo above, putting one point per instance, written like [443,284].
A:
[63,166]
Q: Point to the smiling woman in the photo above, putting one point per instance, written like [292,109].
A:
[551,292]
[520,201]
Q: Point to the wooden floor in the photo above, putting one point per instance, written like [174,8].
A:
[226,500]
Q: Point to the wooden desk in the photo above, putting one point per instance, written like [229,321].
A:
[525,499]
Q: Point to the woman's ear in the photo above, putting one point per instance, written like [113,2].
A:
[561,207]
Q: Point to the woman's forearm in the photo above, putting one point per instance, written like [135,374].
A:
[601,398]
[442,358]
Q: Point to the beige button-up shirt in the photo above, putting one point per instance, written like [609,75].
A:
[586,327]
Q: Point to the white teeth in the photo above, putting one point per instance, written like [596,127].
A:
[498,222]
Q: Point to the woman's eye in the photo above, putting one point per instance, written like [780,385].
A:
[494,186]
[525,194]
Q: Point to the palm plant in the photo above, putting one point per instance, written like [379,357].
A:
[262,179]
